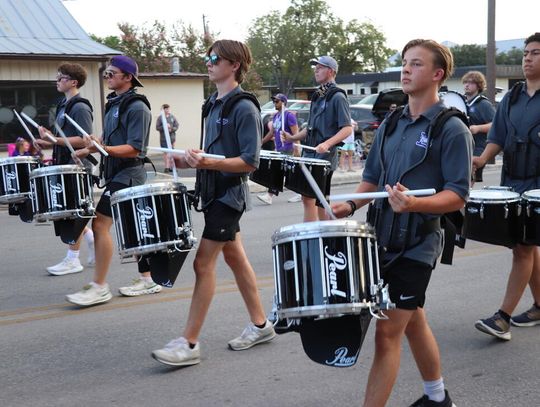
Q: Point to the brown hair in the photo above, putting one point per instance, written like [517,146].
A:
[476,77]
[165,106]
[442,57]
[74,71]
[532,38]
[233,51]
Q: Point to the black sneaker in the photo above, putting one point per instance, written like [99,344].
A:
[495,326]
[424,401]
[528,318]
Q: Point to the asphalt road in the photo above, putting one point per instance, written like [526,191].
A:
[54,354]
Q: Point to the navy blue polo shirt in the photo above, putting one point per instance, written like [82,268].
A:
[447,166]
[524,118]
[481,111]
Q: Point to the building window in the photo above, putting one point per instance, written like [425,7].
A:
[37,99]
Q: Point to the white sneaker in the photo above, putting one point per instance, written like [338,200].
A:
[66,266]
[295,198]
[252,336]
[178,353]
[91,294]
[91,261]
[266,198]
[140,287]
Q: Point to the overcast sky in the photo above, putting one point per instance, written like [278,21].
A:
[459,21]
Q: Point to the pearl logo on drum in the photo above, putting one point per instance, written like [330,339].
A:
[10,177]
[55,189]
[335,263]
[143,215]
[341,359]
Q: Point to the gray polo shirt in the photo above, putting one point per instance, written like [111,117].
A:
[82,114]
[241,137]
[447,167]
[524,120]
[326,118]
[133,128]
[481,111]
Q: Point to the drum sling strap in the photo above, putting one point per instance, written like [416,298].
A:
[124,163]
[522,157]
[209,183]
[452,222]
[327,94]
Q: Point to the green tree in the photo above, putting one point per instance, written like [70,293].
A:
[283,44]
[510,57]
[469,55]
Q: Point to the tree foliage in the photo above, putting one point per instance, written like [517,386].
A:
[283,44]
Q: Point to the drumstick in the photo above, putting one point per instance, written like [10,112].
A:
[183,152]
[27,130]
[33,123]
[68,144]
[84,133]
[382,194]
[317,190]
[305,147]
[168,139]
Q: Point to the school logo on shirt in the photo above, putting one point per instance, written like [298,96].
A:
[115,114]
[223,121]
[423,140]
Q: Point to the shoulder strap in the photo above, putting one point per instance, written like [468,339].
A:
[436,125]
[227,107]
[391,121]
[77,99]
[514,95]
[127,101]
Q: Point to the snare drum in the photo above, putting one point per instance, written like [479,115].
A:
[454,99]
[530,210]
[152,218]
[62,192]
[325,269]
[296,181]
[271,170]
[15,178]
[493,216]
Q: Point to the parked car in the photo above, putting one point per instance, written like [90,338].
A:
[298,106]
[371,111]
[268,107]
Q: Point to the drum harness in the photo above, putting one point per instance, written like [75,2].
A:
[521,157]
[211,184]
[398,241]
[108,164]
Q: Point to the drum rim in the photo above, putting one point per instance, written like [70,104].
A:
[511,196]
[326,228]
[18,160]
[58,169]
[150,248]
[305,160]
[528,197]
[315,310]
[14,198]
[144,190]
[57,215]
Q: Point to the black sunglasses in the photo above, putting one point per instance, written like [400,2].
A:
[213,59]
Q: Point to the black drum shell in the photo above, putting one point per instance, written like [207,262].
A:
[530,214]
[270,172]
[15,178]
[296,181]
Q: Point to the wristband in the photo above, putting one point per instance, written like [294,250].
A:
[352,204]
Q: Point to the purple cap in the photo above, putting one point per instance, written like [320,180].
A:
[127,65]
[325,60]
[280,96]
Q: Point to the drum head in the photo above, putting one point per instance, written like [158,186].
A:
[532,195]
[308,230]
[493,196]
[454,99]
[334,341]
[158,188]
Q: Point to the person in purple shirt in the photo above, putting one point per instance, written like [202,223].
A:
[275,128]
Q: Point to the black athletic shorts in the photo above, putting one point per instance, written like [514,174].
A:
[104,204]
[407,281]
[221,222]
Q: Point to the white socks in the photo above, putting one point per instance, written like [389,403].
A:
[89,237]
[435,390]
[72,254]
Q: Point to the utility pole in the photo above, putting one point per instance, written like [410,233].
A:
[490,54]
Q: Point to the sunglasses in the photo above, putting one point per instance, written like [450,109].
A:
[60,78]
[109,74]
[213,59]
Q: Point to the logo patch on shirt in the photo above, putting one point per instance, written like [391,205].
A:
[223,121]
[115,114]
[423,140]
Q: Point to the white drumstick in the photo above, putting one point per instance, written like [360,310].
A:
[25,127]
[183,152]
[84,133]
[33,123]
[382,194]
[317,190]
[168,140]
[68,144]
[305,147]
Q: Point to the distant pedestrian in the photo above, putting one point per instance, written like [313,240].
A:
[172,125]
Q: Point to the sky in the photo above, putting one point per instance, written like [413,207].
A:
[459,21]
